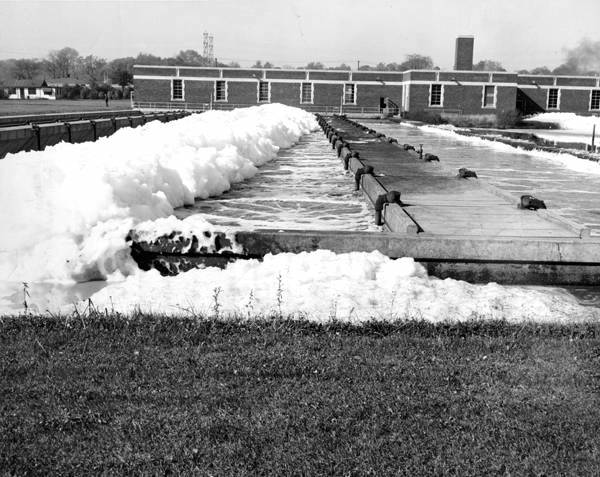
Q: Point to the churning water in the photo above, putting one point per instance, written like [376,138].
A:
[305,187]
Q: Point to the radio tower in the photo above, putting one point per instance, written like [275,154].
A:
[208,47]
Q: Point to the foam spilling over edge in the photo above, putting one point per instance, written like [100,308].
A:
[568,161]
[567,121]
[70,207]
[321,286]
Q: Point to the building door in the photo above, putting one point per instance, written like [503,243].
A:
[22,96]
[381,104]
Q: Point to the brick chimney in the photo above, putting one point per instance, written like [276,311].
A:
[463,57]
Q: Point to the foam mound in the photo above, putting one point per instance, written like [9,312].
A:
[321,286]
[68,209]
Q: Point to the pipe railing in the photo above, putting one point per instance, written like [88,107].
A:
[171,105]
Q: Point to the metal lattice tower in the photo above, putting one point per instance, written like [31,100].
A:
[208,46]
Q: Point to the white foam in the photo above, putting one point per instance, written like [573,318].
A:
[322,285]
[569,121]
[68,209]
[567,160]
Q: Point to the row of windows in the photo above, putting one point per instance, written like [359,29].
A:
[30,91]
[436,96]
[263,92]
[553,99]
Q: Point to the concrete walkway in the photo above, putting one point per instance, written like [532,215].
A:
[439,202]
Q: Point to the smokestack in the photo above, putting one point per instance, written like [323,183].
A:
[463,57]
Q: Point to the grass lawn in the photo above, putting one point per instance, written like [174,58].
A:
[32,106]
[155,395]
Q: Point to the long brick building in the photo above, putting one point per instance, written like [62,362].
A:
[457,92]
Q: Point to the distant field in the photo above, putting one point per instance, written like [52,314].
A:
[17,107]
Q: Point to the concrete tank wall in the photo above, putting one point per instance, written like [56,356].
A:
[16,139]
[38,137]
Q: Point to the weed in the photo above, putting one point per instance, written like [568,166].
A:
[250,305]
[333,310]
[26,296]
[216,303]
[392,303]
[279,296]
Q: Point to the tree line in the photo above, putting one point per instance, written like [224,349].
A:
[99,72]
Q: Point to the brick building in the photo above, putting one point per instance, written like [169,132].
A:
[460,92]
[569,94]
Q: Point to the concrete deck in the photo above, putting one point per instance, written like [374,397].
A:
[436,200]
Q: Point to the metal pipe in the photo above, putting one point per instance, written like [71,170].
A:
[361,171]
[391,197]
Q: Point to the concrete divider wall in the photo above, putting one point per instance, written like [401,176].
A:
[51,134]
[16,139]
[26,119]
[81,131]
[121,123]
[36,137]
[137,121]
[104,127]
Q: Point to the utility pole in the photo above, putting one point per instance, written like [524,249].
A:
[358,65]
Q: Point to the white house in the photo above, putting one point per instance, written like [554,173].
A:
[30,89]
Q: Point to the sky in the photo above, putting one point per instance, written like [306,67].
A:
[520,34]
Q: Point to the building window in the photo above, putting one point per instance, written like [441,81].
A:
[220,90]
[176,89]
[306,93]
[553,95]
[436,95]
[489,96]
[31,91]
[264,91]
[595,100]
[349,93]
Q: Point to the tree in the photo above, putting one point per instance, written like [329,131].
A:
[268,64]
[191,58]
[6,71]
[541,70]
[258,64]
[567,68]
[148,59]
[61,63]
[488,65]
[315,65]
[393,67]
[416,62]
[26,69]
[121,70]
[342,67]
[92,67]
